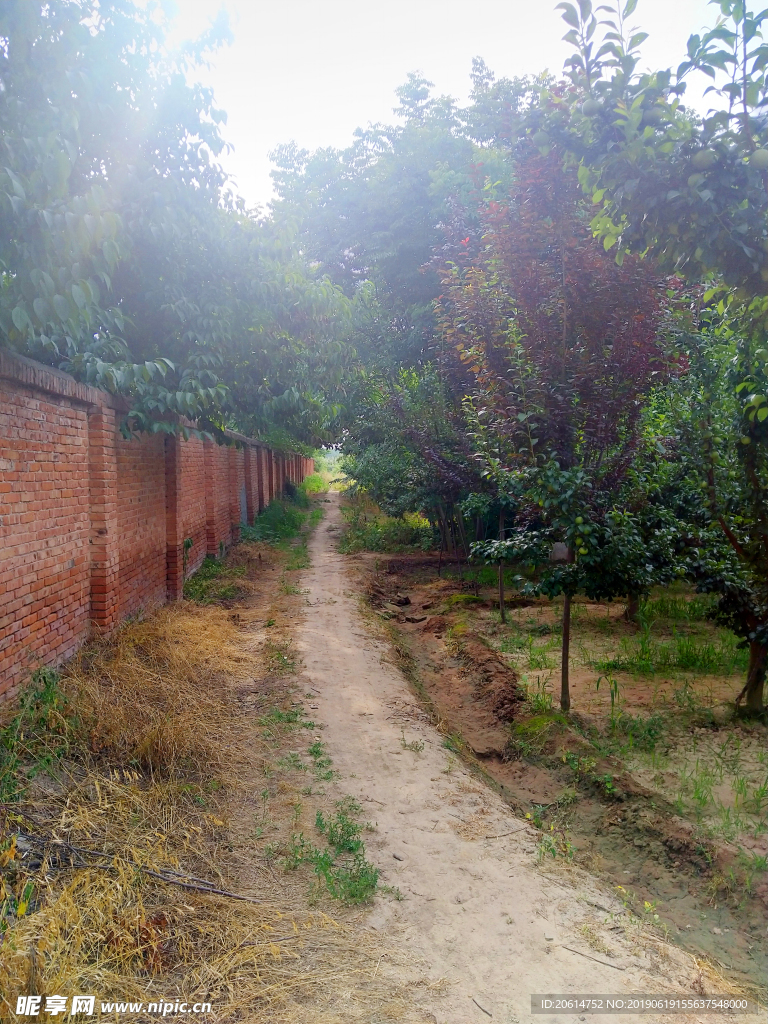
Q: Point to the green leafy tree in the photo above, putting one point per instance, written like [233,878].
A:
[100,133]
[563,345]
[691,192]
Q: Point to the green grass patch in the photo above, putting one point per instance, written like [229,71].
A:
[645,655]
[462,599]
[530,737]
[678,608]
[277,524]
[314,484]
[367,529]
[214,581]
[627,733]
[341,868]
[38,735]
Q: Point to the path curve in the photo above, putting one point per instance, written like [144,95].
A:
[477,911]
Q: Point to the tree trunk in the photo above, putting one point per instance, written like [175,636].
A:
[753,691]
[565,691]
[502,606]
[632,611]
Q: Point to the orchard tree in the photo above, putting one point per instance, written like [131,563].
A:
[692,193]
[407,446]
[563,346]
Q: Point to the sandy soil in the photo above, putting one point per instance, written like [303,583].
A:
[491,926]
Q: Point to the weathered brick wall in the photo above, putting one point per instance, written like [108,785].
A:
[44,525]
[218,523]
[192,506]
[92,526]
[141,524]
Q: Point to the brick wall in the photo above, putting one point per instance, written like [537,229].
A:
[93,527]
[141,524]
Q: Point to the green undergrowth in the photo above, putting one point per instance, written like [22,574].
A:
[644,654]
[214,581]
[299,553]
[38,735]
[314,484]
[678,608]
[334,851]
[368,529]
[279,523]
[340,865]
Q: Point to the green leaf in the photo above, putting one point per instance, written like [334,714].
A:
[569,15]
[18,188]
[61,306]
[20,318]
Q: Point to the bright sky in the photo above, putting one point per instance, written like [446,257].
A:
[314,70]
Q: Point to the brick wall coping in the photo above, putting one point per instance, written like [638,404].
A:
[45,378]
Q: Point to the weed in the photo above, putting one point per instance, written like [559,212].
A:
[213,581]
[638,733]
[677,609]
[540,698]
[393,891]
[685,697]
[614,690]
[606,783]
[187,547]
[292,761]
[514,643]
[292,717]
[314,484]
[567,797]
[415,745]
[554,843]
[278,657]
[277,524]
[341,867]
[461,599]
[536,815]
[578,764]
[322,763]
[453,742]
[367,529]
[528,738]
[38,735]
[537,657]
[593,939]
[645,655]
[341,830]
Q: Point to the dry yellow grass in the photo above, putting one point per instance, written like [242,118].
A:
[156,748]
[160,692]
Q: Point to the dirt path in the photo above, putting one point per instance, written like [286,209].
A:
[478,911]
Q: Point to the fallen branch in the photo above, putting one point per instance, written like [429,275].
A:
[504,834]
[107,863]
[605,963]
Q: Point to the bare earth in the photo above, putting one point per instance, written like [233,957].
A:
[485,924]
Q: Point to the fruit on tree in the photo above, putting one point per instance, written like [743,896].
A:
[704,159]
